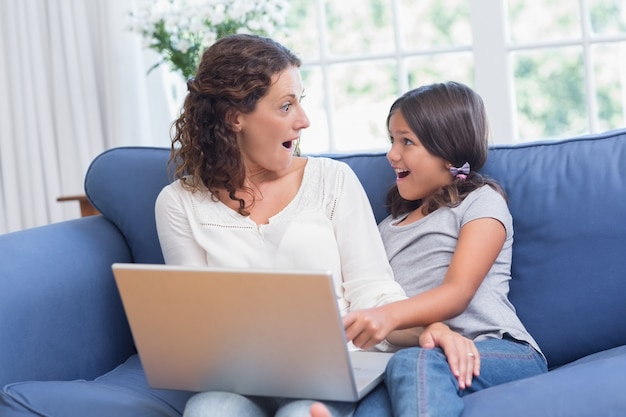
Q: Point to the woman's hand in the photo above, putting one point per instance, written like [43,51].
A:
[367,328]
[461,352]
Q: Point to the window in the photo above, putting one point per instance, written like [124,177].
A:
[545,68]
[569,71]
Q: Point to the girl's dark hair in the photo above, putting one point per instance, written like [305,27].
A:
[234,73]
[450,121]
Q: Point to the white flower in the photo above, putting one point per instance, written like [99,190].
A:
[237,11]
[196,25]
[208,39]
[218,15]
[184,45]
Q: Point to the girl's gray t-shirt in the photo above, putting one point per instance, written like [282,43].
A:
[420,254]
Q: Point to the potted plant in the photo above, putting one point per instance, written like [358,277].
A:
[180,30]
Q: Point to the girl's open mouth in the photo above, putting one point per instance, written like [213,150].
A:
[400,173]
[288,144]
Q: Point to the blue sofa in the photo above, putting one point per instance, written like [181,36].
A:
[66,349]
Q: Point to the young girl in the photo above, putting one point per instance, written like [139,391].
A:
[449,240]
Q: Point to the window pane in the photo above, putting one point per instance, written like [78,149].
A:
[301,35]
[428,69]
[608,17]
[610,79]
[359,26]
[550,93]
[425,24]
[543,20]
[362,94]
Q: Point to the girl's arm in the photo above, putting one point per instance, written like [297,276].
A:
[456,348]
[461,352]
[479,244]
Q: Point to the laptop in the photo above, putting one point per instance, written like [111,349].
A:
[253,332]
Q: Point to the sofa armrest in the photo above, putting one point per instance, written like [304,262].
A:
[61,317]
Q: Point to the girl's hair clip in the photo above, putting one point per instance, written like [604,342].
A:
[462,172]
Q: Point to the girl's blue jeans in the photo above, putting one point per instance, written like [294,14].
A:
[419,382]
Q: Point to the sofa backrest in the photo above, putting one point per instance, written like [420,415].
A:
[567,198]
[123,184]
[568,201]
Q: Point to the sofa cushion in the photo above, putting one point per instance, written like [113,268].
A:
[122,392]
[591,387]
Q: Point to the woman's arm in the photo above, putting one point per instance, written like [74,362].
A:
[174,229]
[366,274]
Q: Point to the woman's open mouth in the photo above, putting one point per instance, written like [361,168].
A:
[288,144]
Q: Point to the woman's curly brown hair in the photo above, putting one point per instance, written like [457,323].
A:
[234,73]
[450,121]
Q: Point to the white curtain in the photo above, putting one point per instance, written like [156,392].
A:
[73,83]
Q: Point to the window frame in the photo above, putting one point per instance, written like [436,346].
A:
[493,72]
